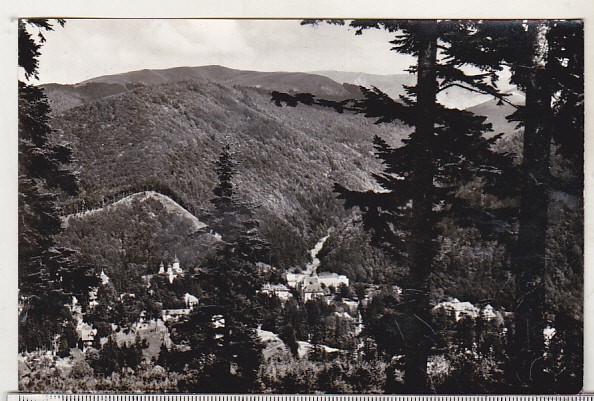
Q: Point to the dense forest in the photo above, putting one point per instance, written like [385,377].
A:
[204,229]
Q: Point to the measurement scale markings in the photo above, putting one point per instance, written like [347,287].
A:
[279,397]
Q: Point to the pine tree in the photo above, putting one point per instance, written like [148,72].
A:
[229,211]
[541,82]
[101,315]
[546,59]
[48,275]
[422,179]
[529,261]
[225,351]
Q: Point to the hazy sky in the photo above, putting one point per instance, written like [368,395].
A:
[86,48]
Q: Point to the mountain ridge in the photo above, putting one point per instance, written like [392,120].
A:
[170,205]
[63,97]
[333,85]
[169,136]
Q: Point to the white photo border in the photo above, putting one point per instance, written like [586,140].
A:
[11,10]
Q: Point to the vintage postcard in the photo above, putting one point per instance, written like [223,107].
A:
[316,206]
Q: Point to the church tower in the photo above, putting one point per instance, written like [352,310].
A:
[176,266]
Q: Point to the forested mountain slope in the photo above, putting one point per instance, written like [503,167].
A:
[131,237]
[167,136]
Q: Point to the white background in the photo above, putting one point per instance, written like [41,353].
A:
[10,10]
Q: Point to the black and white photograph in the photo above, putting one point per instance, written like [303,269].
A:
[300,206]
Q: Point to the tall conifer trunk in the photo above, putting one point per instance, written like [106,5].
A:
[529,260]
[422,247]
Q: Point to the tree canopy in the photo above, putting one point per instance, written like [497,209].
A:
[48,275]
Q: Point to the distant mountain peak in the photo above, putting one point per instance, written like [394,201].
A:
[64,97]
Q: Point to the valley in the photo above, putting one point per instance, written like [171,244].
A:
[207,218]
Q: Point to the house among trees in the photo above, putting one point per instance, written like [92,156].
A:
[280,290]
[352,305]
[460,310]
[86,334]
[313,285]
[312,288]
[190,300]
[103,281]
[294,279]
[104,278]
[174,314]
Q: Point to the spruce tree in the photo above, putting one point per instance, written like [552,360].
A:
[422,179]
[48,275]
[529,254]
[225,351]
[229,211]
[546,59]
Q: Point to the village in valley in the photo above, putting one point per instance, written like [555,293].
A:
[411,226]
[307,285]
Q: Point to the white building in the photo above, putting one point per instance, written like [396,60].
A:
[294,279]
[280,290]
[176,267]
[190,300]
[311,288]
[332,279]
[104,278]
[87,335]
[488,312]
[460,310]
[174,314]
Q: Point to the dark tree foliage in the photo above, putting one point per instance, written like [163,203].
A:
[293,324]
[553,112]
[421,180]
[565,356]
[29,48]
[113,357]
[225,353]
[100,316]
[229,211]
[529,256]
[383,322]
[48,275]
[546,59]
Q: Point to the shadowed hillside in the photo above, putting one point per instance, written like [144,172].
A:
[166,137]
[169,135]
[131,237]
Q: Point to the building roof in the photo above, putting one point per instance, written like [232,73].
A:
[312,285]
[274,287]
[330,275]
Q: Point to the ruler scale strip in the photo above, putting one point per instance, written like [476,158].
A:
[288,397]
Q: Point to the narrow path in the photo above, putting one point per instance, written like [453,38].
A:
[311,267]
